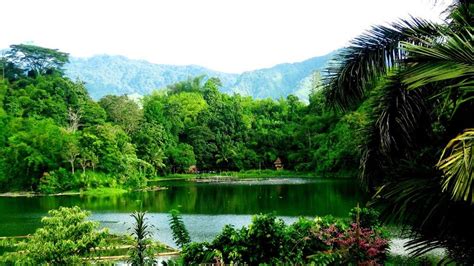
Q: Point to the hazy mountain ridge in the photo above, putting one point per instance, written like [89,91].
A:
[105,74]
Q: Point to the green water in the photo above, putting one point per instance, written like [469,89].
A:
[206,207]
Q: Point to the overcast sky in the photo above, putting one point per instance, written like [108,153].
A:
[224,35]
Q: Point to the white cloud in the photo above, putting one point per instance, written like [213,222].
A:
[226,35]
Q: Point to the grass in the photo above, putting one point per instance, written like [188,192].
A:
[242,174]
[104,191]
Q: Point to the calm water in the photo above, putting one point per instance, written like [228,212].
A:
[206,207]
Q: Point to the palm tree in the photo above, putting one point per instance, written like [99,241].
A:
[418,152]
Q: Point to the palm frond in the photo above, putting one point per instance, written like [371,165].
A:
[436,221]
[400,117]
[370,56]
[460,14]
[448,58]
[457,164]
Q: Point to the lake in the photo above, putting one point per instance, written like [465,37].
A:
[206,207]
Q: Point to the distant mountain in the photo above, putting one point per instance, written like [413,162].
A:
[119,75]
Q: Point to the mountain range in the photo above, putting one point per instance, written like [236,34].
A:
[118,75]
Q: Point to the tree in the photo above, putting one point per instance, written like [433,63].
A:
[180,157]
[122,111]
[74,118]
[150,140]
[35,59]
[71,150]
[33,148]
[189,85]
[418,77]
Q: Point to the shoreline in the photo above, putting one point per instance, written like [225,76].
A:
[92,192]
[198,178]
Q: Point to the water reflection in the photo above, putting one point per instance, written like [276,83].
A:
[296,197]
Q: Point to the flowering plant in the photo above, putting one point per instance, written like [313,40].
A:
[362,246]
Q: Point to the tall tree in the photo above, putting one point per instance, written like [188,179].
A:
[36,60]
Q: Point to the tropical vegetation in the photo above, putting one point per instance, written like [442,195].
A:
[65,238]
[268,240]
[55,138]
[395,106]
[142,252]
[417,152]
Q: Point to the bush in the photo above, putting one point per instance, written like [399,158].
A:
[65,238]
[366,217]
[358,245]
[133,180]
[197,253]
[324,240]
[91,179]
[141,253]
[55,181]
[266,238]
[232,244]
[61,180]
[180,234]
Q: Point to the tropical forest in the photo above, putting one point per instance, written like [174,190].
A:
[362,156]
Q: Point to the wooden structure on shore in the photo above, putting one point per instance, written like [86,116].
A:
[278,164]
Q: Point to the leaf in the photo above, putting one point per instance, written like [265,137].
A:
[457,163]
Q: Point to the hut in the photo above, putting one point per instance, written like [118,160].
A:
[278,164]
[193,169]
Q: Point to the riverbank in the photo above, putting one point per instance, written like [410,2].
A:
[247,174]
[105,191]
[153,184]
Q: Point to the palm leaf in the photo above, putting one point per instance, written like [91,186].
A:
[370,56]
[400,118]
[435,221]
[460,14]
[448,58]
[457,163]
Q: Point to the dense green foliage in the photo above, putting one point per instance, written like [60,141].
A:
[198,124]
[65,238]
[268,240]
[417,156]
[54,137]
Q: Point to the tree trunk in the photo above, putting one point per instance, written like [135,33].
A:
[72,167]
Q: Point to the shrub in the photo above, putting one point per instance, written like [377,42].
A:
[180,234]
[267,240]
[133,180]
[55,181]
[366,217]
[91,179]
[141,253]
[197,253]
[232,244]
[358,245]
[65,237]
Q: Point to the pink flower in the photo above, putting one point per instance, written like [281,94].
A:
[372,252]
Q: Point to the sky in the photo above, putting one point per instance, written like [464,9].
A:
[225,35]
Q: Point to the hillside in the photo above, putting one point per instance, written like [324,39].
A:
[105,74]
